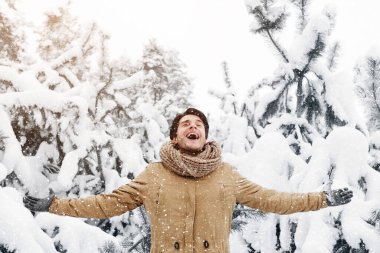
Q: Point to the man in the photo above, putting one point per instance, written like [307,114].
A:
[190,195]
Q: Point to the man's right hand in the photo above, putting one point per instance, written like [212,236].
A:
[37,204]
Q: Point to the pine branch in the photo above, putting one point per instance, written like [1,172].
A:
[282,53]
[226,71]
[374,94]
[301,4]
[315,52]
[266,26]
[299,76]
[273,107]
[333,55]
[374,73]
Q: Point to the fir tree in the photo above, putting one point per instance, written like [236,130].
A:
[298,101]
[302,85]
[99,121]
[236,116]
[368,83]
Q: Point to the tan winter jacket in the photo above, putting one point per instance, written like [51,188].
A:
[187,214]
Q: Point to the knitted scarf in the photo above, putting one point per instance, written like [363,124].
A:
[188,165]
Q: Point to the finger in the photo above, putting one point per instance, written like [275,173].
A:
[33,201]
[347,198]
[29,206]
[29,198]
[29,203]
[350,193]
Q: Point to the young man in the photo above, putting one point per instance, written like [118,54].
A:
[190,195]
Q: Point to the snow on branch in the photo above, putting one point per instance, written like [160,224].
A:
[269,19]
[43,99]
[129,82]
[21,80]
[66,57]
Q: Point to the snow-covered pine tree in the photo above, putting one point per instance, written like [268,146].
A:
[367,80]
[236,135]
[157,91]
[301,102]
[45,130]
[165,81]
[305,79]
[341,160]
[368,87]
[81,124]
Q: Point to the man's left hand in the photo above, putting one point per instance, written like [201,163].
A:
[338,197]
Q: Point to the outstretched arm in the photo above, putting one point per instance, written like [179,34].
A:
[101,206]
[255,196]
[121,200]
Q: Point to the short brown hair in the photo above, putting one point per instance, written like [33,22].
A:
[189,111]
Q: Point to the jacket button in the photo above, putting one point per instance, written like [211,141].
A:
[176,245]
[206,244]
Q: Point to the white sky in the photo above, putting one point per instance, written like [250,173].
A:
[208,32]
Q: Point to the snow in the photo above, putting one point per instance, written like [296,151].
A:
[130,153]
[130,81]
[236,142]
[22,81]
[69,169]
[17,222]
[71,233]
[343,101]
[317,26]
[3,171]
[72,114]
[315,234]
[43,98]
[346,149]
[272,167]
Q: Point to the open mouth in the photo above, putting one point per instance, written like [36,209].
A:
[192,136]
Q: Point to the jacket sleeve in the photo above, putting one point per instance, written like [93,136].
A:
[255,196]
[121,200]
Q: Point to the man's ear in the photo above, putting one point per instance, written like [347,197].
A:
[174,141]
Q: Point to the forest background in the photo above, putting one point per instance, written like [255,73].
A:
[81,117]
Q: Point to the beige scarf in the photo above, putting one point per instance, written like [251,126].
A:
[188,165]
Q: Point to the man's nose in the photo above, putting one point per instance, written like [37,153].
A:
[193,125]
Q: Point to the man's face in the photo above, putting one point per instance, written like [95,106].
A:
[191,135]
